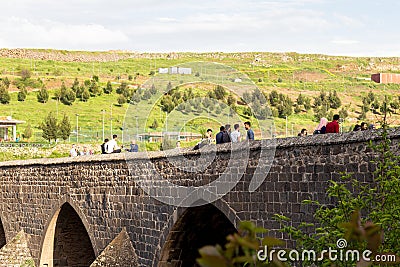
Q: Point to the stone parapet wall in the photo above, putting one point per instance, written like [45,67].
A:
[104,191]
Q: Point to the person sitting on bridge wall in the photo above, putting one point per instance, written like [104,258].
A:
[112,146]
[333,126]
[321,128]
[103,146]
[303,132]
[133,146]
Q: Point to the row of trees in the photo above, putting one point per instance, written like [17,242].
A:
[134,96]
[372,103]
[52,129]
[188,101]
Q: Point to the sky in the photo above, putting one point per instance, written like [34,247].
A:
[332,27]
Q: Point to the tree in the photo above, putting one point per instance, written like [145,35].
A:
[6,82]
[43,95]
[300,99]
[135,97]
[123,89]
[219,92]
[257,94]
[247,97]
[108,89]
[370,97]
[95,78]
[154,125]
[334,100]
[231,100]
[321,100]
[297,109]
[167,105]
[25,74]
[375,106]
[153,89]
[285,107]
[146,95]
[63,90]
[273,98]
[49,127]
[22,94]
[64,128]
[121,100]
[75,85]
[80,91]
[94,88]
[85,95]
[68,97]
[307,103]
[27,132]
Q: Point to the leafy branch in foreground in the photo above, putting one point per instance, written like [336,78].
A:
[378,201]
[240,250]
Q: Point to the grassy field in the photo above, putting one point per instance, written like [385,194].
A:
[288,73]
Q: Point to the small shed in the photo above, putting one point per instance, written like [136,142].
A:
[5,124]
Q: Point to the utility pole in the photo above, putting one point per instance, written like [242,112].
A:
[137,133]
[77,127]
[286,127]
[111,121]
[103,111]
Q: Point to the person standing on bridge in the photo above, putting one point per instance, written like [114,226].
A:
[235,135]
[250,133]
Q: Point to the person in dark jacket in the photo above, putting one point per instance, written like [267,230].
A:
[218,137]
[103,146]
[133,147]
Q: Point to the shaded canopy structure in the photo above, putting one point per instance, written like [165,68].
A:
[5,124]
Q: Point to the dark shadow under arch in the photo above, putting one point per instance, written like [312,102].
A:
[197,227]
[72,246]
[69,243]
[2,235]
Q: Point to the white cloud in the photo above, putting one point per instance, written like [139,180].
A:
[19,32]
[345,42]
[312,26]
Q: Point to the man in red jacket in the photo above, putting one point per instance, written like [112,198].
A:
[333,126]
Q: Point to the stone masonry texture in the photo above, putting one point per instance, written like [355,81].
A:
[103,196]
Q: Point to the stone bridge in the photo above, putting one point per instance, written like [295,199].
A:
[89,210]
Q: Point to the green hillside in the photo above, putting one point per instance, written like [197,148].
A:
[287,73]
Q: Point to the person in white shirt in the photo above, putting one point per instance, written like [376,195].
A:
[112,146]
[235,135]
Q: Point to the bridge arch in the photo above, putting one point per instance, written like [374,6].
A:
[3,240]
[193,228]
[66,241]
